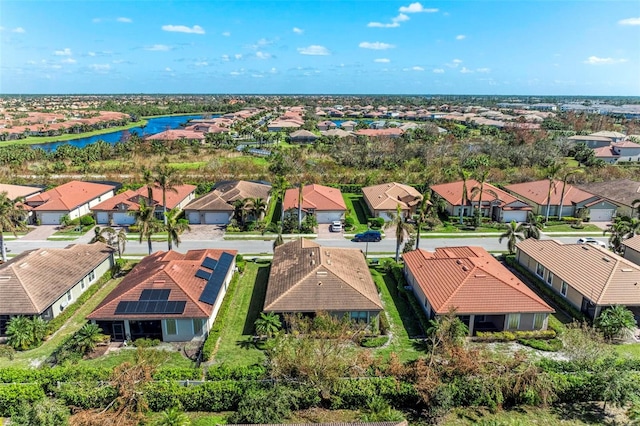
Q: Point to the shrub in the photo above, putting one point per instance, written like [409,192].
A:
[46,412]
[144,342]
[224,372]
[374,342]
[87,220]
[551,345]
[510,336]
[376,222]
[14,394]
[178,373]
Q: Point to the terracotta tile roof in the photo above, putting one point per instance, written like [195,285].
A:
[380,132]
[598,274]
[538,191]
[132,199]
[33,280]
[621,191]
[452,192]
[18,191]
[163,271]
[315,197]
[306,277]
[633,243]
[68,196]
[388,195]
[472,281]
[225,193]
[175,134]
[605,152]
[626,144]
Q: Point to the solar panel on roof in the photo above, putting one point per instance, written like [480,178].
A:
[213,286]
[152,307]
[154,294]
[122,306]
[209,263]
[203,274]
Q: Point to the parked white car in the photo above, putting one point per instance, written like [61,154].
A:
[336,226]
[591,240]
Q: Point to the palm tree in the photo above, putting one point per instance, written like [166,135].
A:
[24,333]
[258,208]
[87,338]
[633,227]
[175,227]
[11,220]
[268,324]
[279,187]
[552,173]
[464,175]
[149,180]
[565,176]
[531,228]
[173,417]
[513,234]
[166,178]
[478,191]
[423,214]
[402,228]
[98,237]
[146,222]
[617,230]
[276,228]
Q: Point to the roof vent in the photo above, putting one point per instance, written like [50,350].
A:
[464,268]
[584,247]
[480,276]
[606,259]
[24,265]
[313,262]
[627,270]
[321,273]
[159,281]
[319,282]
[459,262]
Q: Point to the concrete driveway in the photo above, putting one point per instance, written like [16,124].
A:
[325,234]
[40,233]
[204,233]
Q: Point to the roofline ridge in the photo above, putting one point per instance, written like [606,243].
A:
[606,284]
[358,291]
[26,290]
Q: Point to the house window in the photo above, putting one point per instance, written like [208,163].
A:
[538,321]
[359,316]
[513,321]
[550,278]
[82,284]
[198,323]
[69,296]
[92,276]
[172,327]
[564,289]
[540,270]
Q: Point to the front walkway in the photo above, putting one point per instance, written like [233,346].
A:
[40,233]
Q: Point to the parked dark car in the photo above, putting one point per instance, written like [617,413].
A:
[368,237]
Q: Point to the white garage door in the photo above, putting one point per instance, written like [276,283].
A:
[518,216]
[328,217]
[212,218]
[102,218]
[600,215]
[194,218]
[51,218]
[123,219]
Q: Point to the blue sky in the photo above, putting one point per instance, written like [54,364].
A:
[334,47]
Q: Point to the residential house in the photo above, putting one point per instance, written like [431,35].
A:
[632,249]
[614,136]
[325,203]
[624,151]
[497,204]
[18,192]
[302,136]
[326,125]
[170,296]
[120,209]
[392,132]
[537,195]
[469,281]
[348,126]
[72,199]
[621,192]
[384,199]
[591,141]
[177,134]
[308,278]
[217,208]
[43,282]
[589,277]
[337,133]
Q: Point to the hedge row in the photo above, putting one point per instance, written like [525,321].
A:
[12,395]
[210,343]
[510,336]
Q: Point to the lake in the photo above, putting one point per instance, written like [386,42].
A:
[154,125]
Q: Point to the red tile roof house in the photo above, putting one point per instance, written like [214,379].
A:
[216,207]
[73,199]
[308,278]
[119,209]
[485,295]
[384,199]
[505,208]
[170,296]
[43,282]
[18,192]
[536,193]
[589,277]
[326,125]
[325,203]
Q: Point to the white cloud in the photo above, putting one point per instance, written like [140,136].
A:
[235,73]
[158,48]
[375,45]
[196,29]
[382,60]
[91,53]
[225,58]
[56,67]
[594,60]
[201,64]
[461,37]
[167,69]
[64,52]
[263,55]
[18,30]
[629,21]
[69,61]
[273,70]
[257,75]
[483,70]
[438,71]
[101,68]
[395,22]
[454,63]
[238,56]
[297,30]
[124,20]
[465,70]
[417,69]
[314,50]
[226,34]
[416,8]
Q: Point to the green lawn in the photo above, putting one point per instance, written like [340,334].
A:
[71,231]
[566,228]
[358,210]
[113,359]
[26,358]
[236,345]
[67,137]
[401,318]
[632,350]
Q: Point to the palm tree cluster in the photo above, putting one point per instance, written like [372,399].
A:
[25,333]
[248,210]
[622,228]
[11,220]
[518,232]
